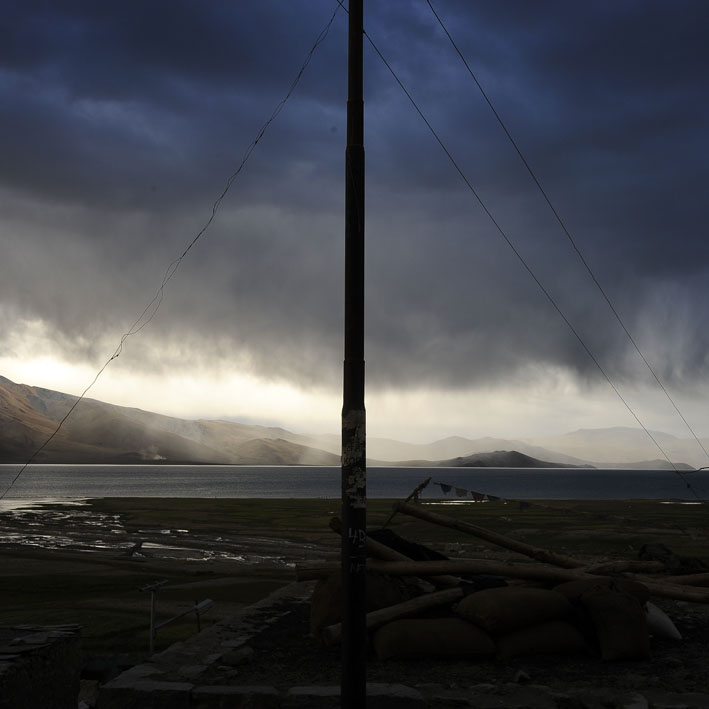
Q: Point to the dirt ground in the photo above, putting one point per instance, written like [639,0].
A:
[285,655]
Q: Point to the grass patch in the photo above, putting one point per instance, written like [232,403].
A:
[603,527]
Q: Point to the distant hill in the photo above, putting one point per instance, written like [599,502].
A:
[495,459]
[98,432]
[397,452]
[623,447]
[502,459]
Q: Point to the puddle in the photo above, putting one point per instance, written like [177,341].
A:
[39,524]
[681,502]
[10,504]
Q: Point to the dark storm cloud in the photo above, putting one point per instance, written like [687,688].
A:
[111,99]
[122,121]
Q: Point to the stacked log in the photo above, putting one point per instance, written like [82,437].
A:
[580,607]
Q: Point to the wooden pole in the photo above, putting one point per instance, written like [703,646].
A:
[375,548]
[530,572]
[153,593]
[382,551]
[543,555]
[415,494]
[354,468]
[331,634]
[534,572]
[153,588]
[688,579]
[612,568]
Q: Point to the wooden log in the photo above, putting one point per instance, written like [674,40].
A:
[611,568]
[675,591]
[382,551]
[511,569]
[332,633]
[375,548]
[543,555]
[530,572]
[313,570]
[534,572]
[414,494]
[688,579]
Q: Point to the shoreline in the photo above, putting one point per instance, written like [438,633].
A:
[307,482]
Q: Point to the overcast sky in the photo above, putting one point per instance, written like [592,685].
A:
[120,123]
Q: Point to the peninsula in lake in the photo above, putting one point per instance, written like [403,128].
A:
[97,432]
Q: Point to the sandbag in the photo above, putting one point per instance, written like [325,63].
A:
[554,637]
[616,610]
[659,624]
[621,625]
[502,610]
[410,638]
[382,591]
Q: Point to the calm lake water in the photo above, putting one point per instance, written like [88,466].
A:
[76,481]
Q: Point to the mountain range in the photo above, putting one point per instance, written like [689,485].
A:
[98,432]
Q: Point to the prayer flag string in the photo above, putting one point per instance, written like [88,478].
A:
[482,497]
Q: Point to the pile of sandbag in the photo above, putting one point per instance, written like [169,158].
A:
[429,606]
[607,617]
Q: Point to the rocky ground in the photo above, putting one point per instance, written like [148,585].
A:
[266,654]
[285,655]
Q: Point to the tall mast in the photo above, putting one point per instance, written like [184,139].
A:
[354,468]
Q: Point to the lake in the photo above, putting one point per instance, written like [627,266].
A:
[77,481]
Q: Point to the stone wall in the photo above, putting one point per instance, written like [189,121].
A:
[40,666]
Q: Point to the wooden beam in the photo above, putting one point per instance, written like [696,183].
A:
[509,569]
[332,633]
[543,555]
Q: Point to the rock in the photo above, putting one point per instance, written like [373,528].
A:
[140,672]
[33,639]
[192,671]
[634,680]
[241,656]
[393,695]
[438,695]
[521,677]
[315,697]
[379,696]
[484,688]
[565,701]
[597,698]
[512,696]
[233,644]
[120,693]
[671,700]
[635,701]
[223,697]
